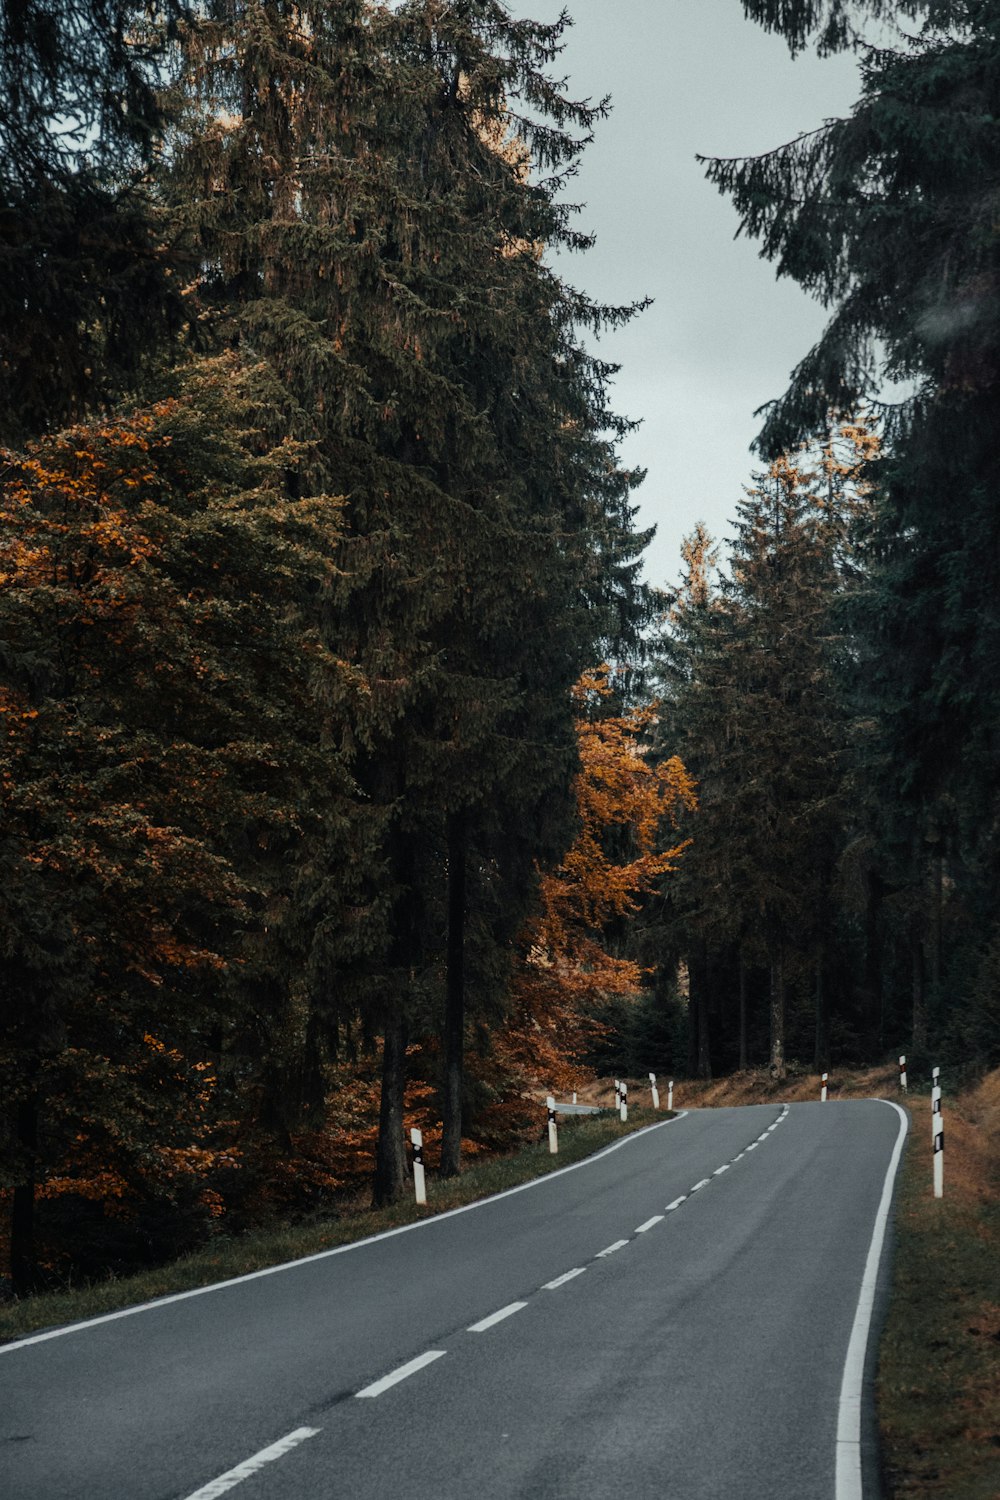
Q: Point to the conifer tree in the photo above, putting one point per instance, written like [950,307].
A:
[886,215]
[87,294]
[361,200]
[754,711]
[163,757]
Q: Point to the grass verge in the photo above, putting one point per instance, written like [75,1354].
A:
[579,1136]
[939,1360]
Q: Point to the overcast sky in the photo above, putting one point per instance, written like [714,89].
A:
[688,76]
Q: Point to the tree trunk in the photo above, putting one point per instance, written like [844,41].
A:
[454,1003]
[23,1267]
[704,1056]
[699,1055]
[821,1058]
[704,1049]
[692,1009]
[919,1033]
[871,994]
[937,934]
[743,1015]
[391,1171]
[778,1015]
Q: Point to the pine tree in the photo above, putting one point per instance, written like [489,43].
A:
[358,188]
[164,756]
[753,709]
[887,217]
[88,291]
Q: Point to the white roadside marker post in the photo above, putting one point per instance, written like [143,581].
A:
[822,1092]
[902,1072]
[624,1103]
[935,1099]
[553,1133]
[670,1094]
[938,1146]
[574,1096]
[618,1095]
[655,1090]
[419,1186]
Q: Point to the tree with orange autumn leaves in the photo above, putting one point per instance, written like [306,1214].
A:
[164,752]
[627,804]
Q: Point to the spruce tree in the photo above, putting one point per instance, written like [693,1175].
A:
[755,714]
[89,294]
[886,216]
[356,181]
[165,763]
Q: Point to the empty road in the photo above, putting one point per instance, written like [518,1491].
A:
[677,1317]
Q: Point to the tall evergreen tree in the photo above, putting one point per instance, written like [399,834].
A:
[754,712]
[87,294]
[887,216]
[163,758]
[358,186]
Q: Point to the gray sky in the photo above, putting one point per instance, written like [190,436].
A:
[688,76]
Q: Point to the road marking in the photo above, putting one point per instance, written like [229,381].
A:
[739,1158]
[233,1477]
[305,1260]
[497,1317]
[618,1244]
[847,1482]
[719,1170]
[402,1373]
[550,1286]
[703,1183]
[656,1219]
[676,1203]
[753,1145]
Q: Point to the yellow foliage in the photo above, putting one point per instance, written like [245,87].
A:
[627,804]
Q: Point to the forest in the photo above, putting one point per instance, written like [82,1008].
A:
[352,775]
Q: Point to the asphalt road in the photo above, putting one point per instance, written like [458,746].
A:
[697,1353]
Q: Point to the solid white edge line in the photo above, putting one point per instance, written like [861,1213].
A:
[306,1260]
[656,1219]
[249,1466]
[550,1286]
[848,1482]
[676,1203]
[618,1245]
[404,1371]
[497,1317]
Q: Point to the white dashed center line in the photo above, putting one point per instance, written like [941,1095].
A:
[656,1219]
[550,1286]
[618,1244]
[233,1477]
[699,1185]
[676,1203]
[397,1375]
[497,1317]
[719,1170]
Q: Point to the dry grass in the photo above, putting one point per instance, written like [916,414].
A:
[939,1367]
[756,1086]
